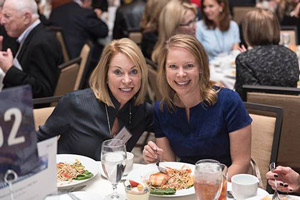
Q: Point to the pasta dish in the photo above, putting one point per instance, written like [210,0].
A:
[75,171]
[175,179]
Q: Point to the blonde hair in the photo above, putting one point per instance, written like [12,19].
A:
[224,16]
[261,27]
[190,43]
[169,20]
[98,80]
[151,14]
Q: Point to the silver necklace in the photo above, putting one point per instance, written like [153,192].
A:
[108,121]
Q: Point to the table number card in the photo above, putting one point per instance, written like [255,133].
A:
[18,141]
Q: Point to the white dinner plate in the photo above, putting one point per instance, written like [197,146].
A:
[88,163]
[260,193]
[80,195]
[289,197]
[144,172]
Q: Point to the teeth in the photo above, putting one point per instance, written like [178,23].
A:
[126,89]
[182,83]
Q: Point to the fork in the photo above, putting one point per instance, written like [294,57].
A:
[160,168]
[276,194]
[73,197]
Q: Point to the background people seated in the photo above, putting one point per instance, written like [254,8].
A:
[79,24]
[128,17]
[267,63]
[39,55]
[287,179]
[86,118]
[197,119]
[217,32]
[176,17]
[149,25]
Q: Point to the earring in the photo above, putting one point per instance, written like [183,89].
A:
[220,10]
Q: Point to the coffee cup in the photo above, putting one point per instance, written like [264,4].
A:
[244,186]
[129,163]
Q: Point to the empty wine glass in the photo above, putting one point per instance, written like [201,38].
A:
[208,179]
[113,160]
[286,39]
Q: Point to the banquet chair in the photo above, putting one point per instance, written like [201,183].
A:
[60,37]
[85,56]
[67,77]
[239,12]
[266,129]
[289,33]
[289,100]
[40,115]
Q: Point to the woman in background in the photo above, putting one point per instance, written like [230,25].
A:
[266,62]
[176,17]
[217,32]
[197,119]
[86,118]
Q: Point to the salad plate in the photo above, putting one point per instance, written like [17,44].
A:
[88,164]
[142,174]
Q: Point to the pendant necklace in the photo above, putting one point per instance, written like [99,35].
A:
[108,121]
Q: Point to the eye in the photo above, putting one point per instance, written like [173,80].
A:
[172,66]
[188,66]
[117,72]
[134,71]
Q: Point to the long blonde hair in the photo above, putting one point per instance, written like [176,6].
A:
[190,43]
[98,80]
[169,20]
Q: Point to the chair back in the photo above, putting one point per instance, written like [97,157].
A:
[152,89]
[136,37]
[289,100]
[40,115]
[85,56]
[67,78]
[60,37]
[239,12]
[288,35]
[266,129]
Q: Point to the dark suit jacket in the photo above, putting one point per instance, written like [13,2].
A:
[39,57]
[78,25]
[81,120]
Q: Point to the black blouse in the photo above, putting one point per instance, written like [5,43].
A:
[81,120]
[271,65]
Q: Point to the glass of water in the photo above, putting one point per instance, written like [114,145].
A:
[113,161]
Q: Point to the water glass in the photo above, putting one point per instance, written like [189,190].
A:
[113,160]
[208,179]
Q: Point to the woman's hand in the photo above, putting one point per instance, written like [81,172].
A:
[152,152]
[242,48]
[287,179]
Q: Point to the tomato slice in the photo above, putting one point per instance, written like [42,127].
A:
[133,183]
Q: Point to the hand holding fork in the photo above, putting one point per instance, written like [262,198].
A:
[276,194]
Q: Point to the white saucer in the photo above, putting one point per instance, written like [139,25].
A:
[260,193]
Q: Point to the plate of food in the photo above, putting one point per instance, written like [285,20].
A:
[282,197]
[178,181]
[74,170]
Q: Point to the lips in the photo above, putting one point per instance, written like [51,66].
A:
[182,83]
[126,89]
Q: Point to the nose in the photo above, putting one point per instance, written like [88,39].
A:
[126,79]
[181,72]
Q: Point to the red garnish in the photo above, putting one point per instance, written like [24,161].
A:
[133,183]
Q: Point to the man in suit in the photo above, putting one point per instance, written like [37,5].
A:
[79,24]
[36,62]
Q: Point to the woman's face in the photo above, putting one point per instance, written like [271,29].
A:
[212,9]
[188,23]
[182,71]
[124,78]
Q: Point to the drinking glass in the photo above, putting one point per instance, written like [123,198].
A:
[223,195]
[286,39]
[113,160]
[208,179]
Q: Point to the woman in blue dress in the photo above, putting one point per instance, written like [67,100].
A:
[217,32]
[197,119]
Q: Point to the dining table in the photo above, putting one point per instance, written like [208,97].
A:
[99,186]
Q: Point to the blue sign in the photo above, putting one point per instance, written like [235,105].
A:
[18,141]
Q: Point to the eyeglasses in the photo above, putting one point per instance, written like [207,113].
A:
[190,23]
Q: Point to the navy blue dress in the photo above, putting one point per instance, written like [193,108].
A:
[206,136]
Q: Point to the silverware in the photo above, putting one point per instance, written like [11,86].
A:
[276,194]
[160,168]
[73,197]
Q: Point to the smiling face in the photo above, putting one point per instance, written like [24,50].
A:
[212,9]
[123,78]
[183,72]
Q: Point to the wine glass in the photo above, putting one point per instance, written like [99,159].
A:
[113,160]
[286,39]
[208,179]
